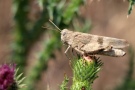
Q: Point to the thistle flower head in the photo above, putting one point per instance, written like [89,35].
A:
[6,76]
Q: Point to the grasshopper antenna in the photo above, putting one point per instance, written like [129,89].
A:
[47,27]
[55,25]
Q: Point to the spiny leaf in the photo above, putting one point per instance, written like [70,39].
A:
[19,76]
[21,80]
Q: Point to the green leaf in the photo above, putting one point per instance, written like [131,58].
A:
[70,11]
[131,3]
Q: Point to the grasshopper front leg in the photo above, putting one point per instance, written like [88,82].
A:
[67,51]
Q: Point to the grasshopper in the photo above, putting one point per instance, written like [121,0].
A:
[88,44]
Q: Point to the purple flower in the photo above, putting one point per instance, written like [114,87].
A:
[6,76]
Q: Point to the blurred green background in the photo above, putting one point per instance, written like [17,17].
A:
[39,52]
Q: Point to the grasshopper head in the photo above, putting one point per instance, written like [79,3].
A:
[66,36]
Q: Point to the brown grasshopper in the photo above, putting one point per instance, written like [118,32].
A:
[88,44]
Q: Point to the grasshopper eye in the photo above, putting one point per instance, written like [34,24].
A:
[64,33]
